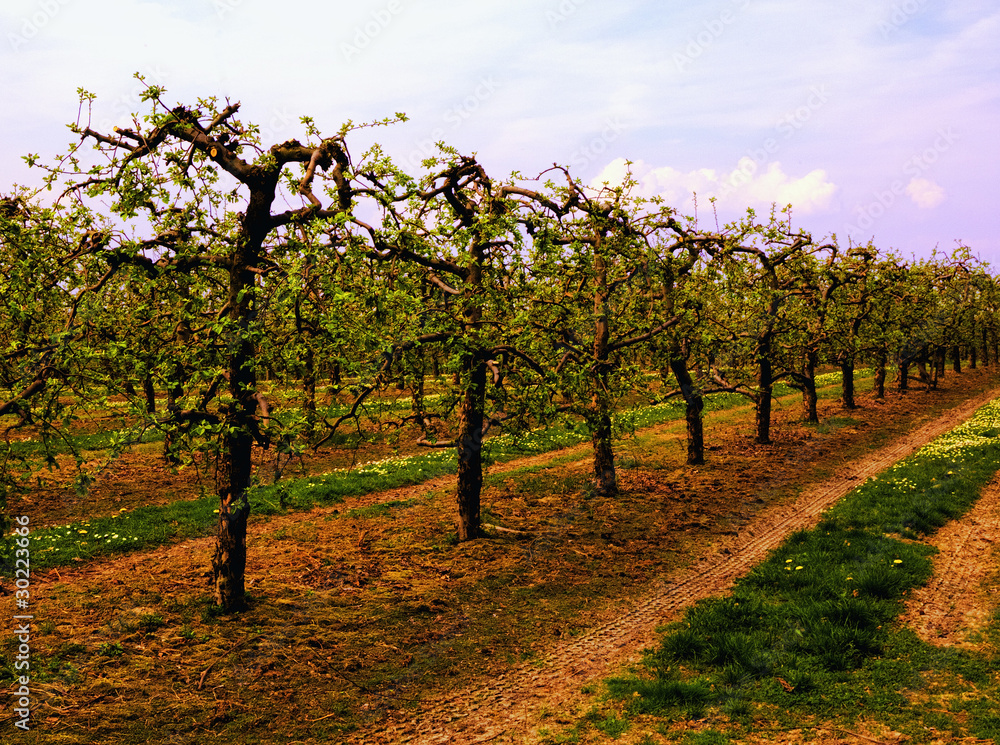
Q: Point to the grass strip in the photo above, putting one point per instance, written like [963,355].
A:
[811,631]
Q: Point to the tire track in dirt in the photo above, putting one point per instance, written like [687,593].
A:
[508,708]
[948,610]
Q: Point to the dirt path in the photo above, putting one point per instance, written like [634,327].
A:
[949,611]
[510,709]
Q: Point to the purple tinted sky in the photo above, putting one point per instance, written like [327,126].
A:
[874,119]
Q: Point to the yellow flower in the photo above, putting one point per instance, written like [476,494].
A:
[897,561]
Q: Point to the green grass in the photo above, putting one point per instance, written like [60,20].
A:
[811,631]
[56,445]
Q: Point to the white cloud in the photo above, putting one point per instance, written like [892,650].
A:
[745,186]
[925,193]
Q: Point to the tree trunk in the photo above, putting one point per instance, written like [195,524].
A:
[924,377]
[765,387]
[809,398]
[470,452]
[847,382]
[230,558]
[904,375]
[599,415]
[309,390]
[986,348]
[973,356]
[605,478]
[694,405]
[956,358]
[174,389]
[939,366]
[150,393]
[236,456]
[879,382]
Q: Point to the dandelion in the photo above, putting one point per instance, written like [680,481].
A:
[897,561]
[798,567]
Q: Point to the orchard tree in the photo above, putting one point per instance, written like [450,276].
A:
[454,239]
[752,314]
[823,275]
[194,194]
[848,316]
[614,266]
[52,364]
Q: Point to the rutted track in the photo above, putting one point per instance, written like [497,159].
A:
[506,710]
[945,611]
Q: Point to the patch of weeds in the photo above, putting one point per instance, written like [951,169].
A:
[705,737]
[110,649]
[150,621]
[610,724]
[382,509]
[661,696]
[211,613]
[832,424]
[737,708]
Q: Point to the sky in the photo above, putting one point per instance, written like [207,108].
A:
[875,120]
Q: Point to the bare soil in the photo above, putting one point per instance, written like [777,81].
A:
[368,625]
[953,609]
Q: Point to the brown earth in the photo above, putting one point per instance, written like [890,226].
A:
[954,607]
[368,625]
